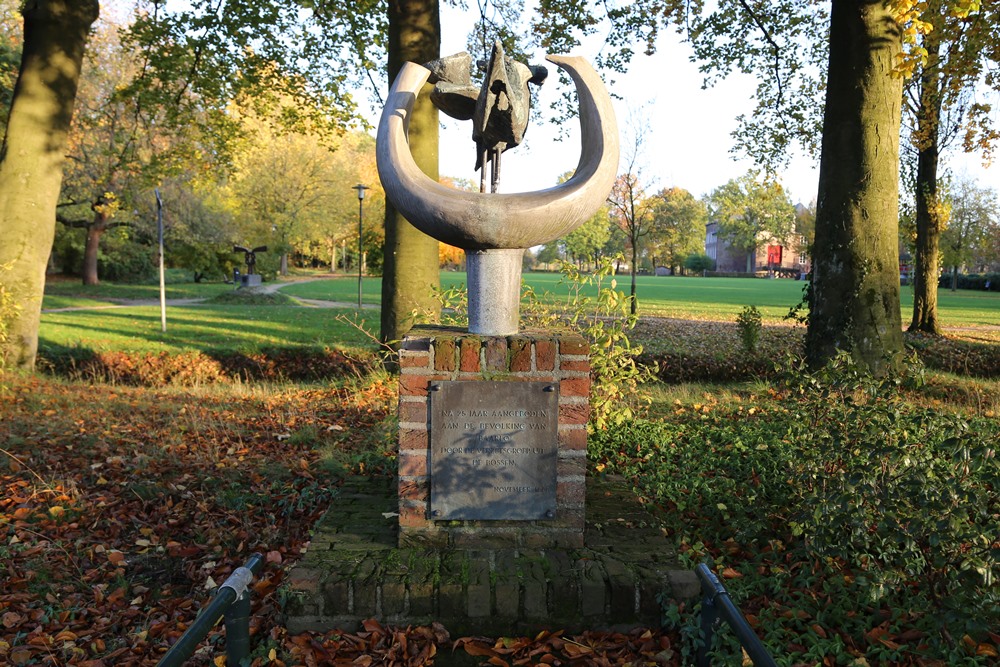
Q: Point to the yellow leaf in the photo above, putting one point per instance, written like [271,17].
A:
[220,661]
[272,655]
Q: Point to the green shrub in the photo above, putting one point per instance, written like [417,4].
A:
[699,263]
[126,263]
[906,496]
[836,505]
[617,375]
[749,324]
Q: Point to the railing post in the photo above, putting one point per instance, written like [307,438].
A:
[232,602]
[237,622]
[709,619]
[719,605]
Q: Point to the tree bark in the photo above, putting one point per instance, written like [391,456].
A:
[90,252]
[633,302]
[855,302]
[55,36]
[410,270]
[928,214]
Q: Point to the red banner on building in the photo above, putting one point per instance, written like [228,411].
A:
[774,255]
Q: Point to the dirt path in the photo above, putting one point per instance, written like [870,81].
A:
[267,288]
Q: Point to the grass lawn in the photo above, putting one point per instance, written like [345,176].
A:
[202,327]
[689,298]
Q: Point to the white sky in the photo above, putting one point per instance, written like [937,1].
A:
[688,139]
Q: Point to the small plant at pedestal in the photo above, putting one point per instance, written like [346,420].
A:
[616,392]
[749,325]
[454,305]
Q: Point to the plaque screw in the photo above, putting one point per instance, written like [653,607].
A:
[435,387]
[549,388]
[436,513]
[550,514]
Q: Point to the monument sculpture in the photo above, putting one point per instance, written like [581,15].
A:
[492,424]
[491,496]
[251,278]
[492,228]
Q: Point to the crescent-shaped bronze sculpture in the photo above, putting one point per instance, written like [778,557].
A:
[494,229]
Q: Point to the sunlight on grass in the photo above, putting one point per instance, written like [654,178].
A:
[687,297]
[199,328]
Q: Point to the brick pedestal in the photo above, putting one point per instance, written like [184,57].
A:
[430,354]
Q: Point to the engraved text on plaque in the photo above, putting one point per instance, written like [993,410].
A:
[494,447]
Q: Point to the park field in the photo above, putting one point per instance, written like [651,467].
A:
[111,317]
[684,297]
[153,463]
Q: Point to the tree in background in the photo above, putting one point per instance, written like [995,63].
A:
[31,161]
[750,213]
[115,149]
[586,243]
[805,225]
[973,217]
[292,189]
[10,53]
[699,263]
[789,46]
[954,48]
[198,229]
[632,210]
[677,229]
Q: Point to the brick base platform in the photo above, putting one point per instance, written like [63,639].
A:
[432,353]
[354,570]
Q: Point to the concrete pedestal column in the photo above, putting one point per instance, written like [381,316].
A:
[494,290]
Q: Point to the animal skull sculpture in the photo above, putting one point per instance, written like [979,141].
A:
[494,229]
[499,108]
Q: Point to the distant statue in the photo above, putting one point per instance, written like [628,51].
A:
[499,108]
[250,257]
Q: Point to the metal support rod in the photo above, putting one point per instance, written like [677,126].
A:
[718,604]
[709,619]
[361,204]
[237,622]
[234,588]
[163,291]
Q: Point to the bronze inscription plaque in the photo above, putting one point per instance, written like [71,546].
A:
[494,447]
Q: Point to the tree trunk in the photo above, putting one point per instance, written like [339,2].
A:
[284,264]
[95,231]
[55,35]
[635,268]
[855,302]
[954,278]
[928,213]
[410,270]
[750,258]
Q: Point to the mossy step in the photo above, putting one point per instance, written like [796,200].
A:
[354,570]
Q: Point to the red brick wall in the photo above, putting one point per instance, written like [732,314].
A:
[441,353]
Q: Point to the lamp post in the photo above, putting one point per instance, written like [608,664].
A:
[361,203]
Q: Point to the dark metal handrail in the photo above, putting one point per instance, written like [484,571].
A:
[231,601]
[717,604]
